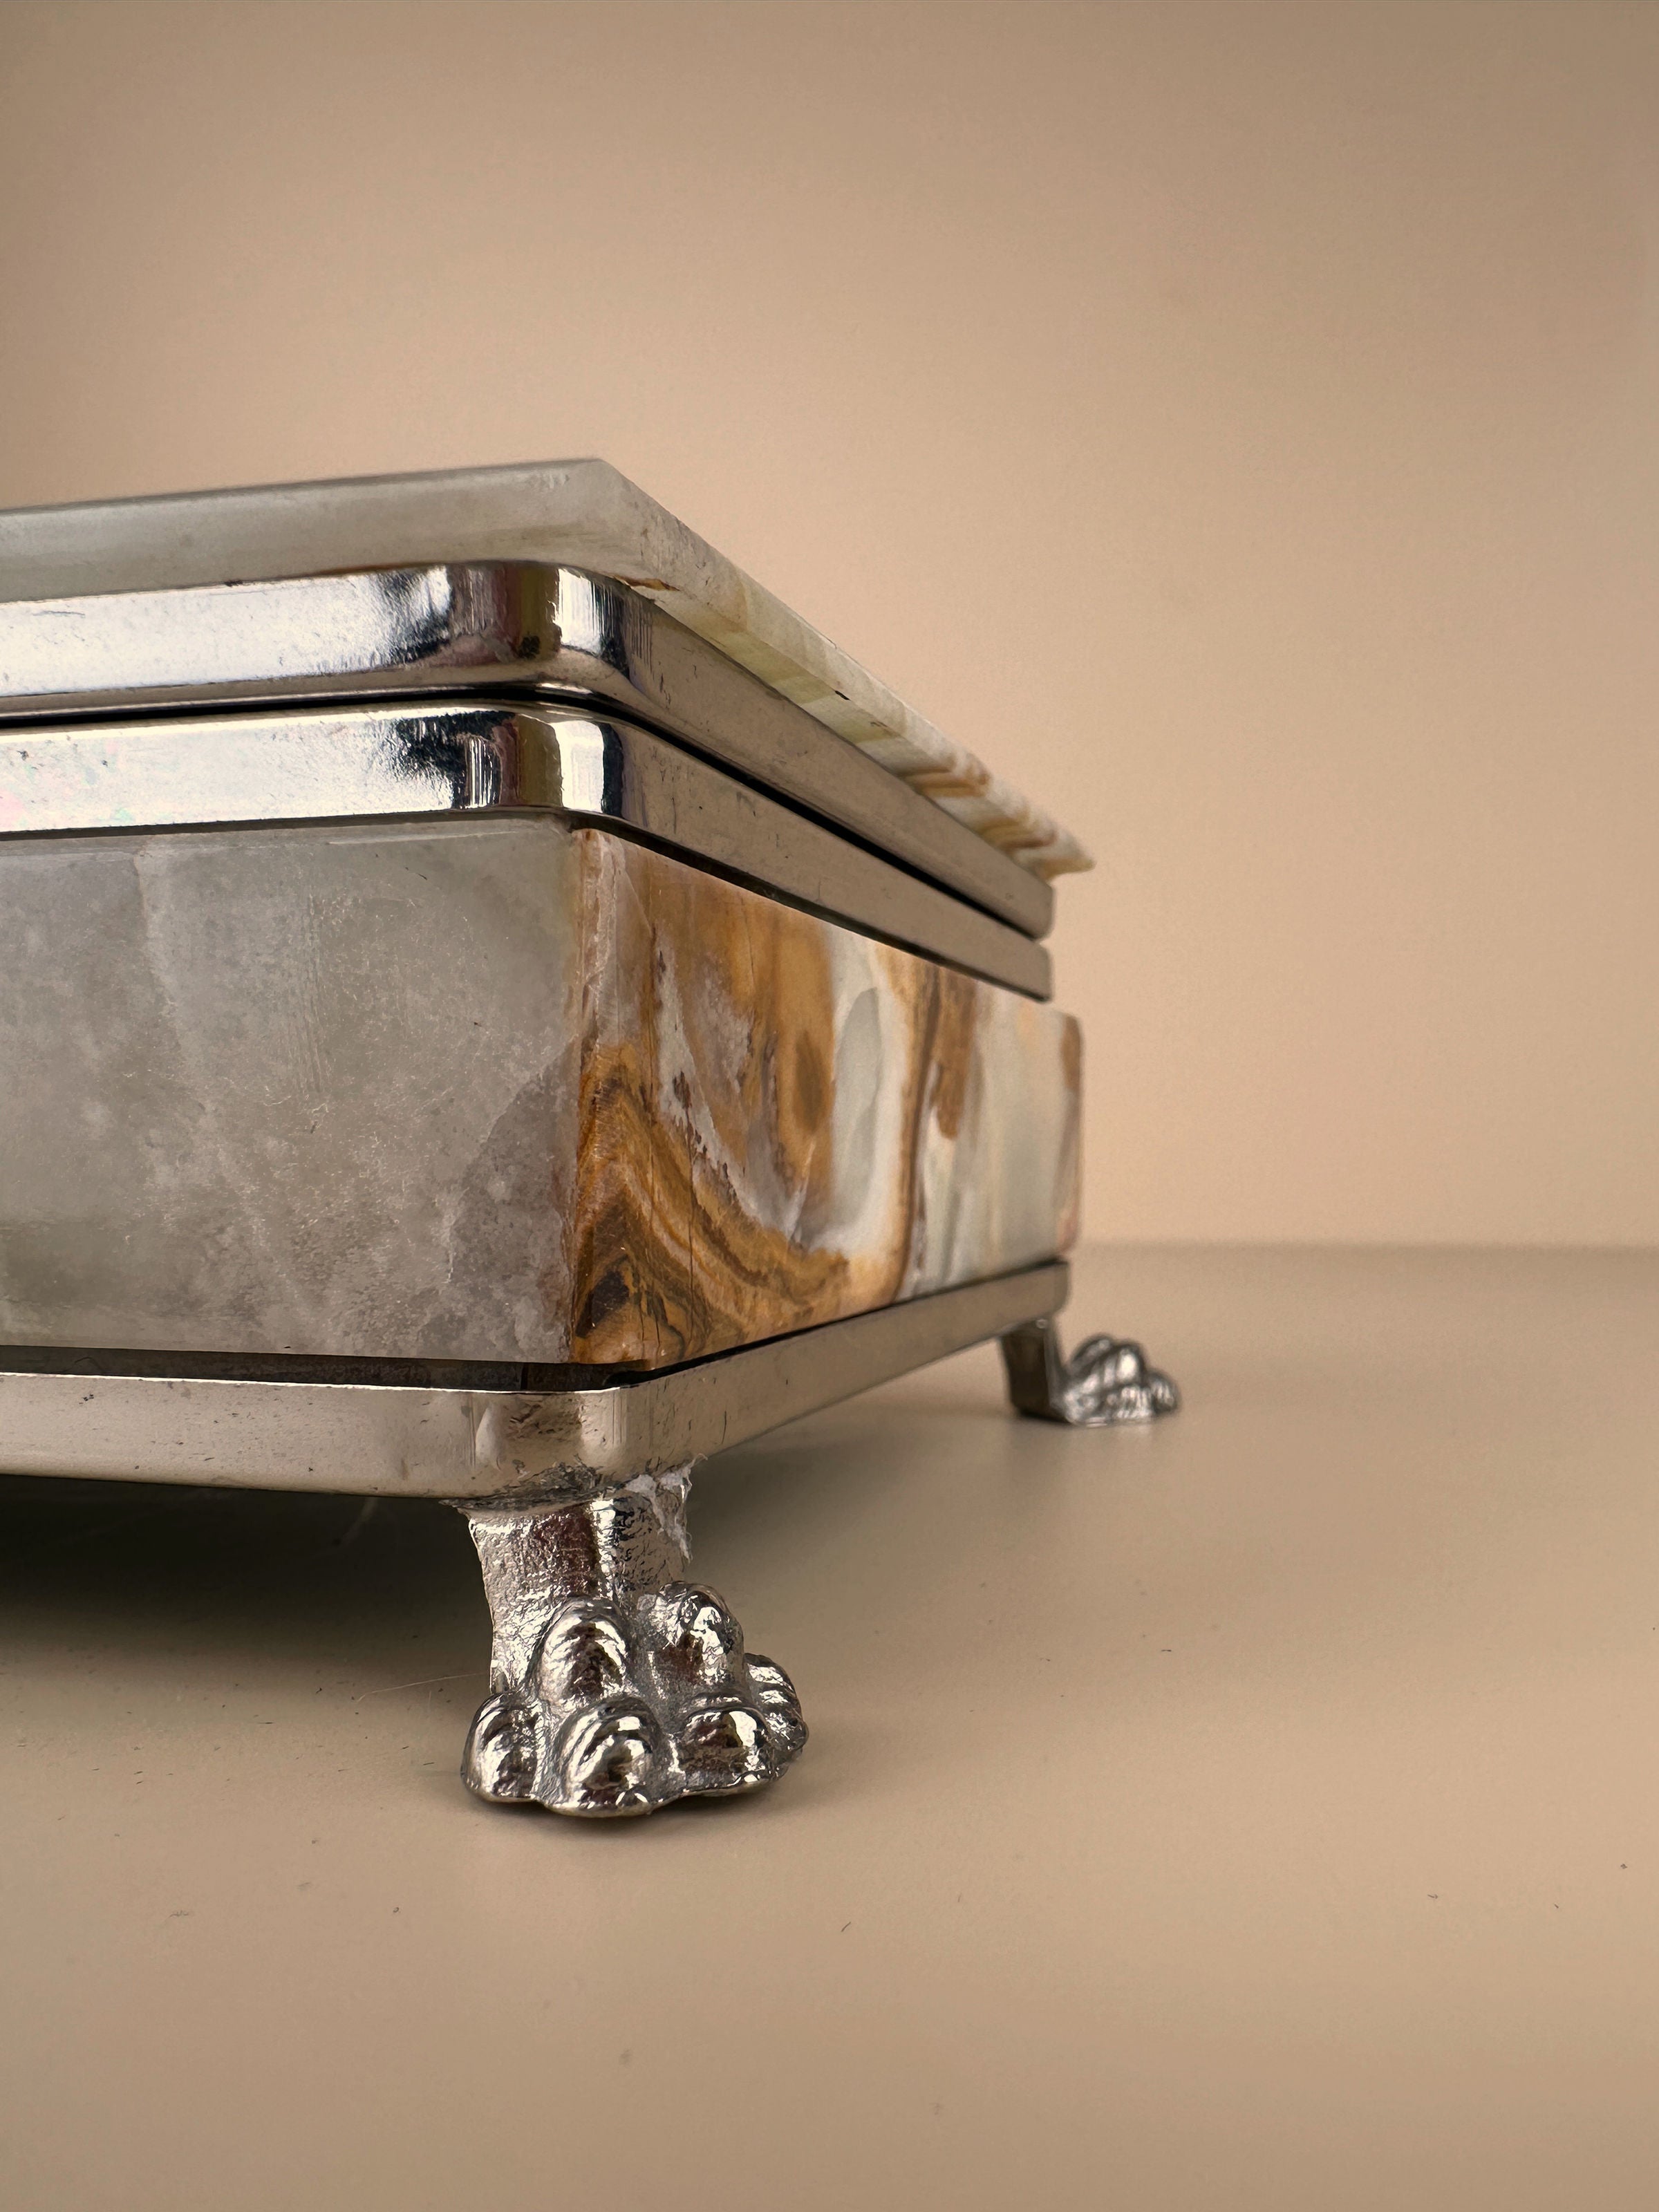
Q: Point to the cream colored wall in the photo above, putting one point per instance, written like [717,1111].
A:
[1240,424]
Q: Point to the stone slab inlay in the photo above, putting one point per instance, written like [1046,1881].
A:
[490,1090]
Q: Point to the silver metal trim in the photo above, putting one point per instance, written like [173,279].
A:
[487,1445]
[485,627]
[449,758]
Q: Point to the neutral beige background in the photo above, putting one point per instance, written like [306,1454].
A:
[1238,423]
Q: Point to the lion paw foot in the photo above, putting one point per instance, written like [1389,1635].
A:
[631,1701]
[1110,1379]
[1106,1379]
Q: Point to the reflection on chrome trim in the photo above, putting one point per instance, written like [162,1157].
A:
[448,757]
[484,627]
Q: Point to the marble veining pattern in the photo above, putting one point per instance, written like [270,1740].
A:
[489,1091]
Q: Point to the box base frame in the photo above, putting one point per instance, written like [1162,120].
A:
[616,1684]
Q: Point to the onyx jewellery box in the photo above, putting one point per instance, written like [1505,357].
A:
[496,1008]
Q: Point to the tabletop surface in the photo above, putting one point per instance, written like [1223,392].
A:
[1259,1810]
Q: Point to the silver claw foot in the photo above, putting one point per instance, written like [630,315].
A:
[616,1685]
[1106,1379]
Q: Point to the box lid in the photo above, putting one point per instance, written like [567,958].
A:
[581,514]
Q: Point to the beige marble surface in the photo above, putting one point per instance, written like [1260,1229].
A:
[581,511]
[783,1122]
[490,1089]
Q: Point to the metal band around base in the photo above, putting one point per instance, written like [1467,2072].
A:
[476,1445]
